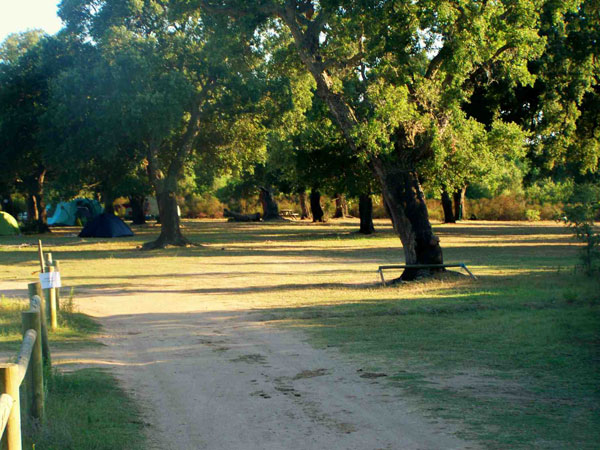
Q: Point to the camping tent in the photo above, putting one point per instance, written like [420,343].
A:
[8,224]
[106,225]
[64,214]
[67,213]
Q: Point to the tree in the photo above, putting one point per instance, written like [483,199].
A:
[30,61]
[561,109]
[394,74]
[193,89]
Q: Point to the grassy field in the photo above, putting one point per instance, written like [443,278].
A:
[513,357]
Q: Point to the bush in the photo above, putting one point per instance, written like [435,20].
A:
[532,215]
[503,207]
[202,206]
[581,211]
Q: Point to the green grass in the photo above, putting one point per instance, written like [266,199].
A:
[74,328]
[87,410]
[515,363]
[513,358]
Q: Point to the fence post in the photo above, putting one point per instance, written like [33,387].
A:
[9,384]
[57,269]
[35,289]
[41,255]
[51,304]
[35,392]
[51,263]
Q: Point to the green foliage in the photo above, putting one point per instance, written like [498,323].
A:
[549,191]
[201,206]
[16,45]
[581,212]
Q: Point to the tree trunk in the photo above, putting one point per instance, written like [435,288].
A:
[305,214]
[108,199]
[170,231]
[341,207]
[447,207]
[42,216]
[459,203]
[137,209]
[404,197]
[32,209]
[315,206]
[365,208]
[269,205]
[36,208]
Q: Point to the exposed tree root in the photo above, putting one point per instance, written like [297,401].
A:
[163,242]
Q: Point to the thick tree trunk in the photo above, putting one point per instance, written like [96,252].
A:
[170,231]
[108,199]
[447,207]
[315,206]
[36,208]
[365,208]
[304,212]
[32,208]
[341,207]
[137,209]
[459,203]
[269,205]
[404,197]
[42,215]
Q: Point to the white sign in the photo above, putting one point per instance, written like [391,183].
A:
[50,280]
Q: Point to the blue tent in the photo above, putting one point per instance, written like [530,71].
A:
[106,225]
[67,213]
[64,214]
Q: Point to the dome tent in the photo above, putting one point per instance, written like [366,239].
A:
[67,213]
[8,224]
[106,225]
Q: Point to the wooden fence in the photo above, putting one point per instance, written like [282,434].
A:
[28,370]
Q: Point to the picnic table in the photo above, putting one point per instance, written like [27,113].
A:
[289,213]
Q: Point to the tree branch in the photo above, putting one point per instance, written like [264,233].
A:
[350,62]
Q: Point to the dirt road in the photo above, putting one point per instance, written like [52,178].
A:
[210,375]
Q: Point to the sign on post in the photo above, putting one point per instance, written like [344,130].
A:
[50,280]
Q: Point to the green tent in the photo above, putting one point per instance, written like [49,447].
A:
[8,224]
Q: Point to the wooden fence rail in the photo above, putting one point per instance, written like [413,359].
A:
[6,403]
[28,370]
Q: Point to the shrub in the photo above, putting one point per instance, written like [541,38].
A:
[581,211]
[202,206]
[503,207]
[532,215]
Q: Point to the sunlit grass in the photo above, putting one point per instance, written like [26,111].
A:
[74,327]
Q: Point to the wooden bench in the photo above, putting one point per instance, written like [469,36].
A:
[423,266]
